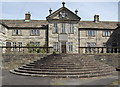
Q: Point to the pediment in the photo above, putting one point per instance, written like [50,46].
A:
[63,14]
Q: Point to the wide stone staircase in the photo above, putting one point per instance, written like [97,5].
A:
[65,65]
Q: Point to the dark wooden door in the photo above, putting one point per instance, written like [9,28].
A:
[63,47]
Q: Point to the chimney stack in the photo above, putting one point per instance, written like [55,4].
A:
[96,18]
[27,17]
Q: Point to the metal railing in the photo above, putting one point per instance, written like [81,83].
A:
[96,50]
[25,49]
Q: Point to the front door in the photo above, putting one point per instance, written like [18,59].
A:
[63,47]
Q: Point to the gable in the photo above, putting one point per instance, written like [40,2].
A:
[63,14]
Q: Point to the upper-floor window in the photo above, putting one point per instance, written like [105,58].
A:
[63,28]
[55,29]
[90,33]
[106,33]
[14,44]
[35,32]
[17,32]
[71,30]
[70,46]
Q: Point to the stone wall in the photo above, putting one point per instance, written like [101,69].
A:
[11,61]
[110,59]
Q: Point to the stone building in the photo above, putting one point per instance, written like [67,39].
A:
[63,30]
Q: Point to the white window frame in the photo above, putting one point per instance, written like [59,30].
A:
[70,46]
[106,33]
[71,30]
[35,32]
[91,33]
[63,28]
[56,46]
[17,32]
[55,29]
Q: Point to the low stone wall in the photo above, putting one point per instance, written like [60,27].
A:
[110,59]
[11,61]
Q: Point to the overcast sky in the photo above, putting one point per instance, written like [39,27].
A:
[108,11]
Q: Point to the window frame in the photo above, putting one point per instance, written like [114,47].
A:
[70,46]
[56,46]
[63,31]
[106,33]
[55,28]
[34,32]
[91,33]
[16,32]
[71,29]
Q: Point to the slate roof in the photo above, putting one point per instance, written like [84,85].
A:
[100,25]
[39,23]
[23,24]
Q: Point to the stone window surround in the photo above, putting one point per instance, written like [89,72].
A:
[106,33]
[35,32]
[90,33]
[16,32]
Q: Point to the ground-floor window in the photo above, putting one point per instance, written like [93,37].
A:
[70,46]
[55,46]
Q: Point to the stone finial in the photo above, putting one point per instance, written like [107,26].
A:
[50,11]
[63,3]
[76,11]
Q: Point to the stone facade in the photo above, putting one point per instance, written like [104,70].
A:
[63,30]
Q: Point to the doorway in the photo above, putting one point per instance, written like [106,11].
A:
[63,47]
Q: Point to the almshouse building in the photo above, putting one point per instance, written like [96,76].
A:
[63,30]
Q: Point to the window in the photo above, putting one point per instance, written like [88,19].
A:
[91,33]
[106,33]
[55,46]
[71,28]
[104,44]
[70,46]
[8,44]
[35,43]
[90,44]
[55,29]
[17,32]
[14,43]
[63,28]
[20,44]
[35,32]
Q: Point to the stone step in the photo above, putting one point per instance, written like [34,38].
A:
[61,73]
[62,70]
[62,76]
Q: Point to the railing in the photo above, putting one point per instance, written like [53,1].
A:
[24,49]
[96,50]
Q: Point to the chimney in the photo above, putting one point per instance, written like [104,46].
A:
[27,17]
[96,18]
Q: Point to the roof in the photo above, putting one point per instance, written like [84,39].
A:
[72,17]
[39,23]
[100,25]
[23,24]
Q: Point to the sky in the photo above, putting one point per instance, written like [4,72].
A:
[108,11]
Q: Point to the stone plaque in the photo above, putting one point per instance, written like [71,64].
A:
[63,37]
